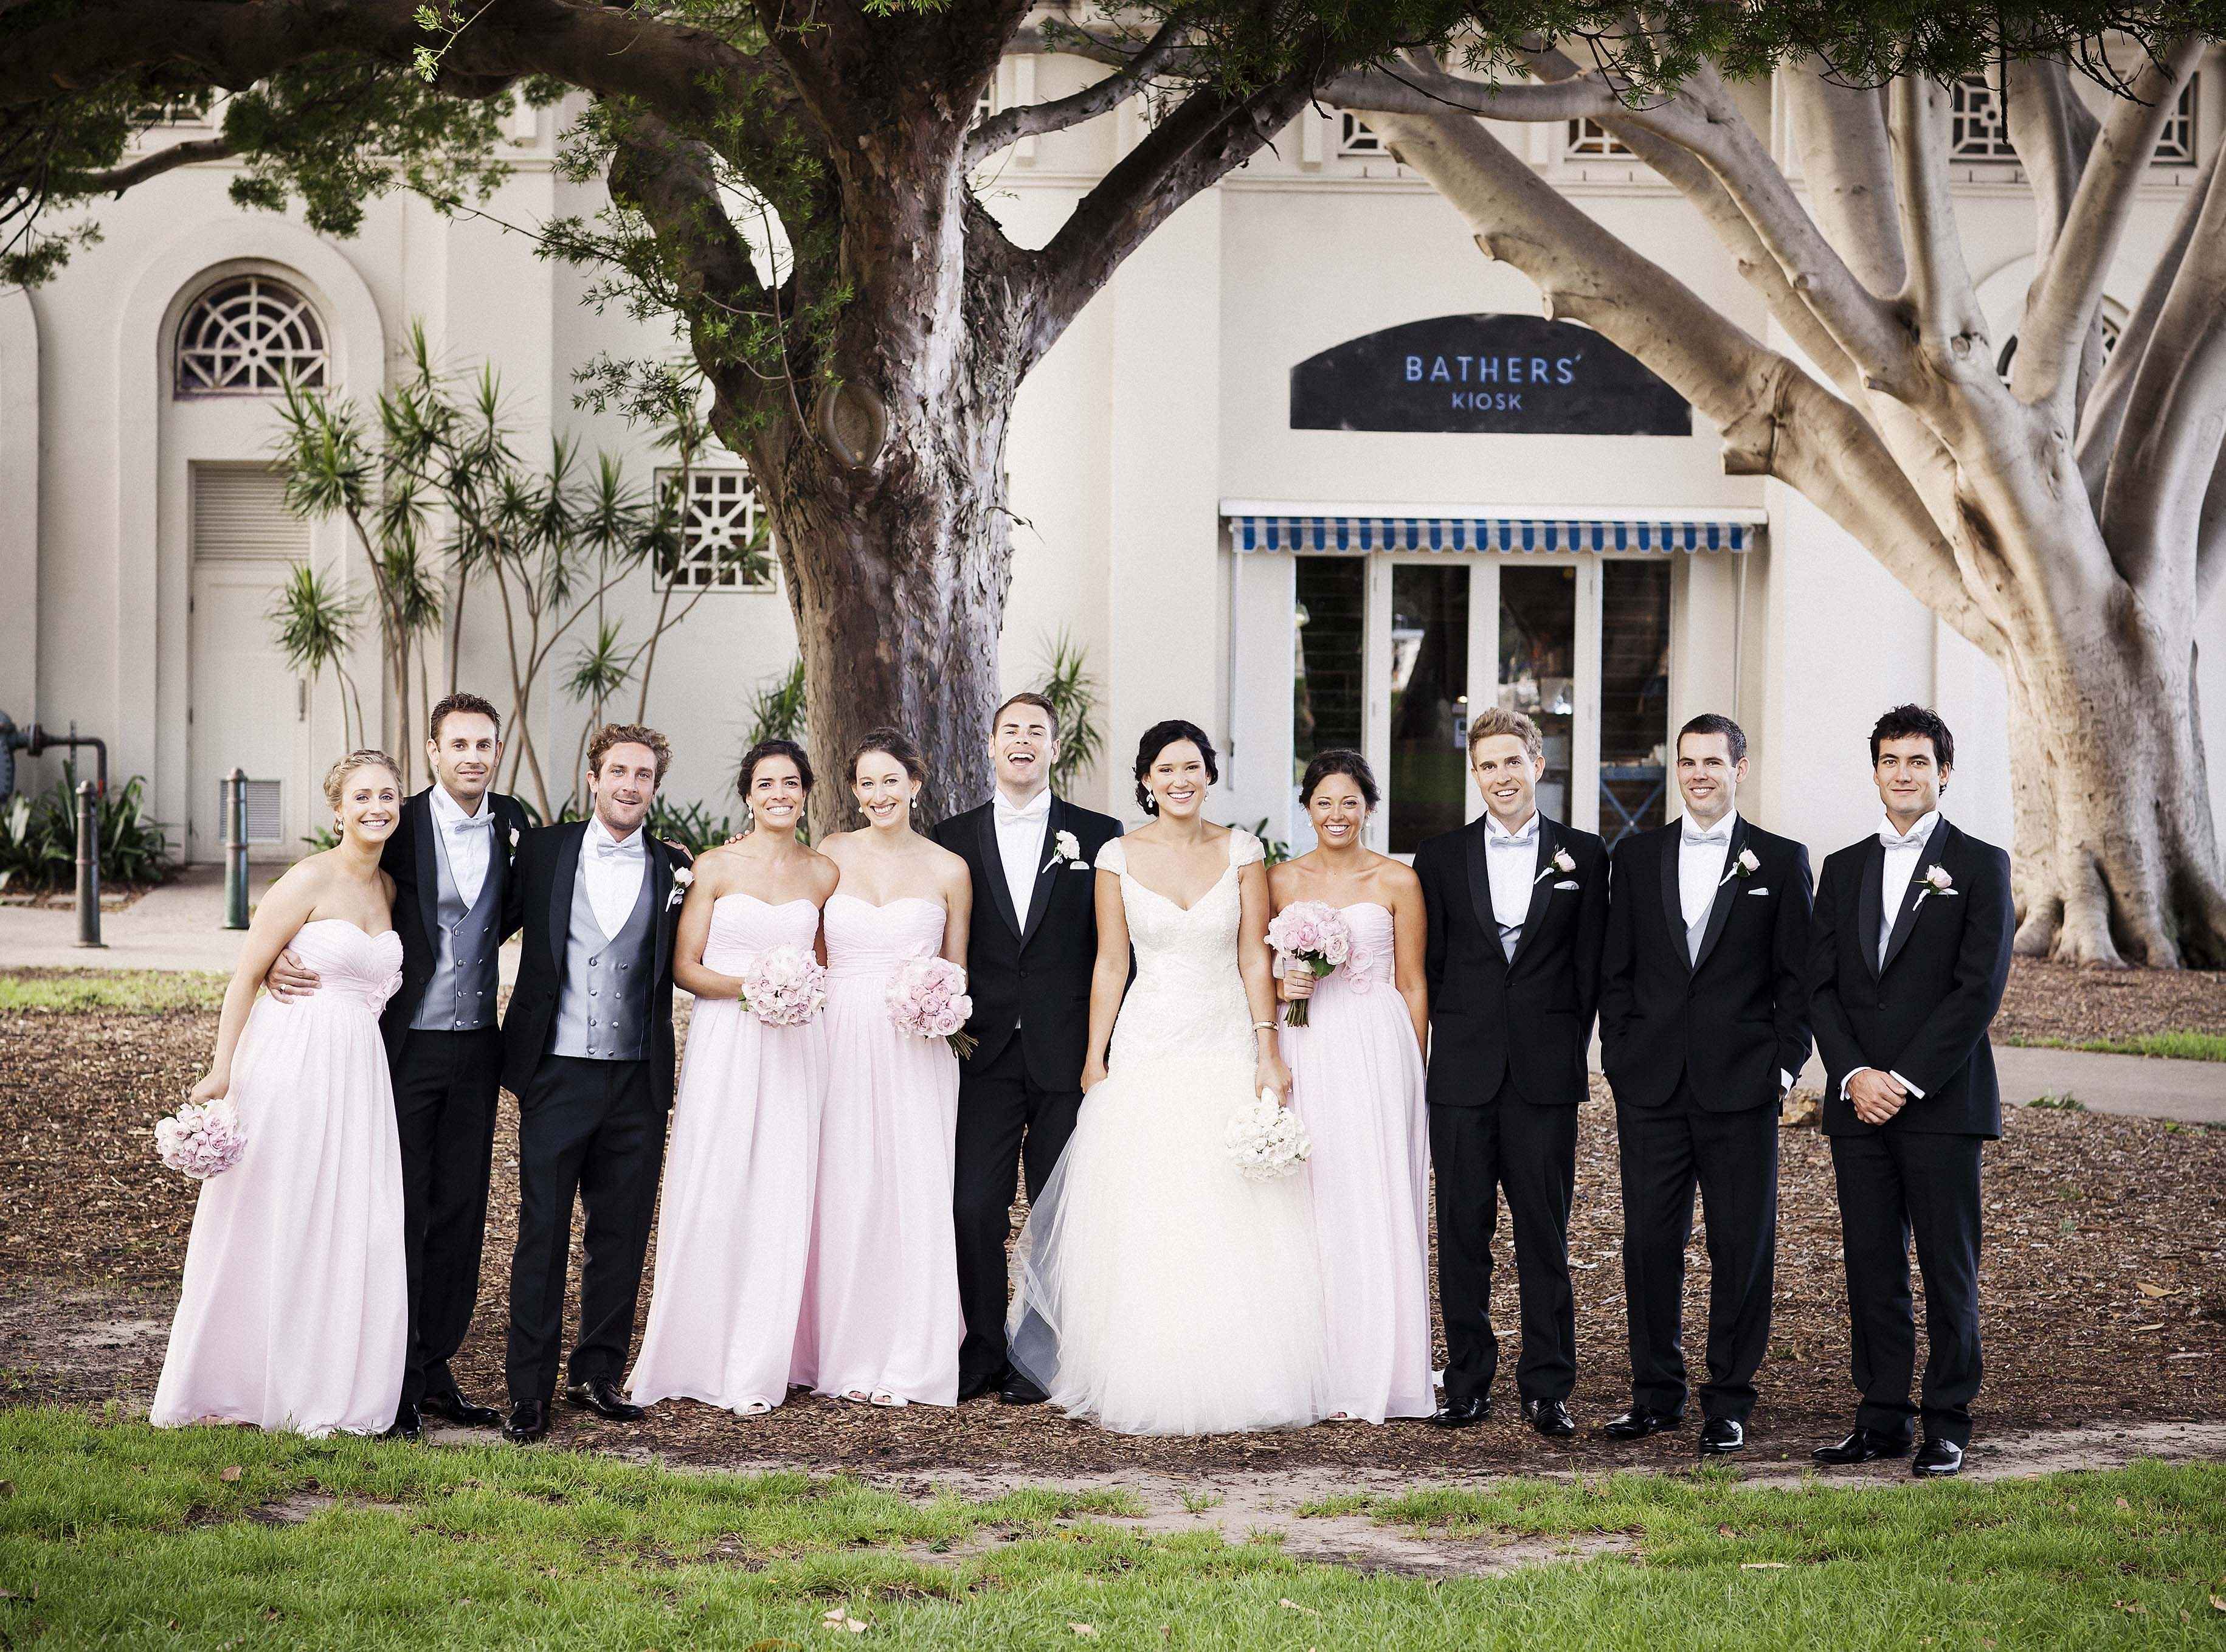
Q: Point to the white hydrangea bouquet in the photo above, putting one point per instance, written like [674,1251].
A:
[785,986]
[201,1140]
[1267,1141]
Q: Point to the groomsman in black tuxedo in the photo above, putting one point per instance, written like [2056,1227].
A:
[1910,955]
[1704,1023]
[449,858]
[588,1050]
[1028,972]
[1517,907]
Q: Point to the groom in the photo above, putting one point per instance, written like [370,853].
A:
[449,858]
[588,1050]
[1028,971]
[1909,954]
[1517,909]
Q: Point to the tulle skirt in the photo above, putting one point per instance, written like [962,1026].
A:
[1159,1291]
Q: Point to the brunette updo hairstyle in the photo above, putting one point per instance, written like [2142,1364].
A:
[1340,761]
[1157,739]
[766,748]
[336,777]
[889,742]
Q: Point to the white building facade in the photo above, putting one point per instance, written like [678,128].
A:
[1309,472]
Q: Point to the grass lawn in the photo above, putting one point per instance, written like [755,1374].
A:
[2186,1045]
[141,992]
[117,1534]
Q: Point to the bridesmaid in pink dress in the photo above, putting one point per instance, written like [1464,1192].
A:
[881,1320]
[294,1309]
[1356,1080]
[734,1231]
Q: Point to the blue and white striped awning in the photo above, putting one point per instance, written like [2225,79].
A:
[1511,534]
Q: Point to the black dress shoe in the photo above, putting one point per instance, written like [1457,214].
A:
[1721,1436]
[1462,1414]
[1640,1422]
[1550,1418]
[450,1403]
[1017,1390]
[602,1397]
[1864,1446]
[406,1426]
[973,1388]
[529,1421]
[1936,1459]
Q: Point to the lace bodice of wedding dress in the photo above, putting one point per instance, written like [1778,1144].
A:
[1187,1001]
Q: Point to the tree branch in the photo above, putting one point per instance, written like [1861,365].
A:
[116,180]
[1937,289]
[2053,134]
[1412,92]
[1775,420]
[2069,294]
[1008,127]
[1840,131]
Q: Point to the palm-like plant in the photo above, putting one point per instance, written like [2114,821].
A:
[1072,692]
[316,629]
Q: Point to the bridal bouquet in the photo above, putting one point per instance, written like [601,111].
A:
[201,1140]
[1267,1141]
[928,997]
[785,986]
[1311,934]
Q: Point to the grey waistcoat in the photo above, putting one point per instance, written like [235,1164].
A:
[460,998]
[602,1010]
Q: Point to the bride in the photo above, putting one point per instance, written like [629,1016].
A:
[1160,1291]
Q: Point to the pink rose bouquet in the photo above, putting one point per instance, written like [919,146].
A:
[201,1140]
[928,997]
[1309,935]
[785,986]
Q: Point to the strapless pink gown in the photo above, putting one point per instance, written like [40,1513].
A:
[881,1299]
[1356,1080]
[734,1231]
[295,1312]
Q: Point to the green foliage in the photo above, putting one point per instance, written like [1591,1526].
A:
[692,825]
[2058,1101]
[131,992]
[1275,850]
[38,837]
[2187,1044]
[1072,691]
[314,626]
[777,710]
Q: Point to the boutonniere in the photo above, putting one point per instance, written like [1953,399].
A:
[1746,867]
[1563,862]
[684,876]
[1936,882]
[1067,850]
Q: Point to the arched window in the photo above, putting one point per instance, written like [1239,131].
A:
[247,336]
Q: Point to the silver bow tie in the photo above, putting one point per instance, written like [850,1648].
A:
[1902,840]
[1702,840]
[472,822]
[629,850]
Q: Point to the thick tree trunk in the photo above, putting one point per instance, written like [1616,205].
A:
[2115,859]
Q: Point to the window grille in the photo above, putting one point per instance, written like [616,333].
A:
[1977,130]
[1589,140]
[186,109]
[2176,146]
[246,337]
[726,544]
[1355,136]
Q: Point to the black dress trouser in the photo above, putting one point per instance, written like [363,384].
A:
[1666,1152]
[1531,1152]
[1003,1117]
[1894,1183]
[593,1128]
[445,1089]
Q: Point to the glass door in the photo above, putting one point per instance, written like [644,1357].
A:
[1426,700]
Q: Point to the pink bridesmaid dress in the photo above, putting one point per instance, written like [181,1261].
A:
[1356,1080]
[734,1231]
[881,1298]
[295,1312]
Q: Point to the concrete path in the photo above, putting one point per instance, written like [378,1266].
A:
[2145,1087]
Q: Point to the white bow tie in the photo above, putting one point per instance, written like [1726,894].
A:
[1901,840]
[1697,840]
[1022,816]
[472,822]
[630,849]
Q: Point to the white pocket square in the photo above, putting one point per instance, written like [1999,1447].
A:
[1759,892]
[1567,883]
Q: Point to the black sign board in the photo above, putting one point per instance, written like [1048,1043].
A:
[1518,374]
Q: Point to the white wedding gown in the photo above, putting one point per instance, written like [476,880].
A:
[1158,1291]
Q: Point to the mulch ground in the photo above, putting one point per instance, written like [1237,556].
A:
[2105,1297]
[2062,1001]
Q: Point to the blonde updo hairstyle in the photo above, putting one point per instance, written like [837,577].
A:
[336,778]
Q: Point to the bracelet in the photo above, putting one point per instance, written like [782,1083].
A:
[1263,1027]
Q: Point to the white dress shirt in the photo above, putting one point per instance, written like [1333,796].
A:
[1701,851]
[1905,852]
[613,868]
[1021,829]
[1512,858]
[467,841]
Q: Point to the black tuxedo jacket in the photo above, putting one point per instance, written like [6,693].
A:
[1031,969]
[1530,1017]
[542,868]
[1734,1015]
[1925,1014]
[409,860]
